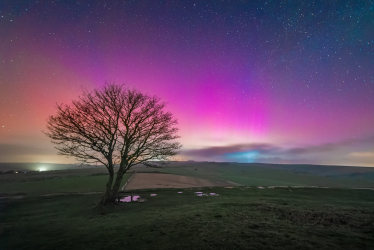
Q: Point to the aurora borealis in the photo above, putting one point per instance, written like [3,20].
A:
[249,81]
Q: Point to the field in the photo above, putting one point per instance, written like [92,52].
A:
[153,180]
[56,209]
[63,181]
[239,218]
[272,174]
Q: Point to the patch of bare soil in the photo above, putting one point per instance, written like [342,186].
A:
[150,180]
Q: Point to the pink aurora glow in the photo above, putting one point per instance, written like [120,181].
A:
[225,90]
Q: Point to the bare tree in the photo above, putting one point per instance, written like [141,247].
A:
[114,125]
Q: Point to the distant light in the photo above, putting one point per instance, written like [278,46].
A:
[248,157]
[16,172]
[42,169]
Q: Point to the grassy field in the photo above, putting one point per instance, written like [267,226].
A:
[239,218]
[258,175]
[45,183]
[244,217]
[93,180]
[90,179]
[159,180]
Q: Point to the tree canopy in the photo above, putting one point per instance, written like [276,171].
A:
[114,125]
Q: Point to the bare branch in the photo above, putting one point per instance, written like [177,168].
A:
[114,125]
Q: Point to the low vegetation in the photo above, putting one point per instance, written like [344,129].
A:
[239,218]
[57,210]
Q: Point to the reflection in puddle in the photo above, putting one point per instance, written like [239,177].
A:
[128,198]
[261,187]
[138,199]
[202,194]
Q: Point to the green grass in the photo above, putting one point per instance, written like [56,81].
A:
[91,180]
[259,176]
[240,218]
[94,183]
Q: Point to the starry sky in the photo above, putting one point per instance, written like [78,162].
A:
[248,81]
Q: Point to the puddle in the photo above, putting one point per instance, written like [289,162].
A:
[128,198]
[137,197]
[261,187]
[202,194]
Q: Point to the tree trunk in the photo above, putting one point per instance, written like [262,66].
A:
[107,195]
[111,193]
[117,184]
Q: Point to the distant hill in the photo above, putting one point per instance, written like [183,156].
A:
[331,171]
[349,172]
[42,166]
[324,170]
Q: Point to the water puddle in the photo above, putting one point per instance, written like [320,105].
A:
[139,199]
[261,187]
[202,194]
[136,198]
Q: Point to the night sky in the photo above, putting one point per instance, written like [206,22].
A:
[249,81]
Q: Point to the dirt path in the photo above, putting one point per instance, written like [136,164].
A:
[153,180]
